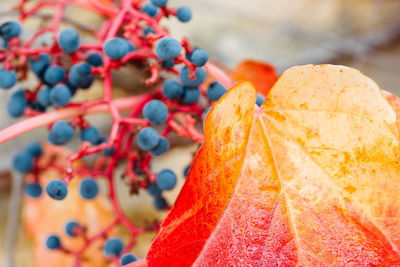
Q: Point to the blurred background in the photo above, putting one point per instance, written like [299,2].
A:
[363,34]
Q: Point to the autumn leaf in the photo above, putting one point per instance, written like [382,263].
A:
[311,178]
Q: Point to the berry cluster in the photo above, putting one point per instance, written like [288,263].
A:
[130,33]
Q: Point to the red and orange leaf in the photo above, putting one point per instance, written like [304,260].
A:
[262,75]
[312,178]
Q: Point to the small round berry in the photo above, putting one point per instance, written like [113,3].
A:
[80,75]
[186,171]
[88,188]
[60,95]
[190,95]
[148,30]
[153,190]
[147,138]
[116,48]
[33,190]
[57,190]
[7,79]
[155,112]
[184,14]
[54,74]
[128,258]
[53,242]
[10,29]
[70,228]
[199,57]
[159,203]
[113,247]
[22,162]
[95,59]
[166,179]
[260,99]
[34,149]
[17,105]
[69,40]
[199,77]
[91,134]
[43,97]
[61,133]
[39,65]
[160,148]
[159,3]
[215,91]
[172,89]
[169,63]
[168,48]
[150,9]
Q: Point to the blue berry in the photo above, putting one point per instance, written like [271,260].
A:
[60,95]
[69,40]
[199,57]
[10,29]
[168,48]
[172,89]
[39,66]
[150,9]
[57,190]
[7,79]
[33,190]
[161,147]
[53,242]
[200,76]
[95,59]
[184,14]
[34,149]
[166,179]
[43,97]
[70,228]
[54,74]
[155,112]
[113,247]
[190,95]
[160,203]
[147,138]
[215,91]
[22,162]
[61,133]
[153,190]
[186,171]
[80,75]
[91,134]
[17,105]
[169,63]
[116,48]
[128,258]
[88,188]
[148,30]
[260,99]
[159,3]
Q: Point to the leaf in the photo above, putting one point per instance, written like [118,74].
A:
[262,75]
[312,178]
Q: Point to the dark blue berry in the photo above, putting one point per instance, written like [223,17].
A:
[161,147]
[147,138]
[53,242]
[10,29]
[54,74]
[153,190]
[60,95]
[168,48]
[199,77]
[186,171]
[128,258]
[88,188]
[39,65]
[113,247]
[61,133]
[159,3]
[69,40]
[22,162]
[172,89]
[116,48]
[35,149]
[166,179]
[7,79]
[57,190]
[190,95]
[215,91]
[155,112]
[95,59]
[260,99]
[80,75]
[148,30]
[150,9]
[91,134]
[184,14]
[33,190]
[16,105]
[70,228]
[169,63]
[199,57]
[43,97]
[159,203]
